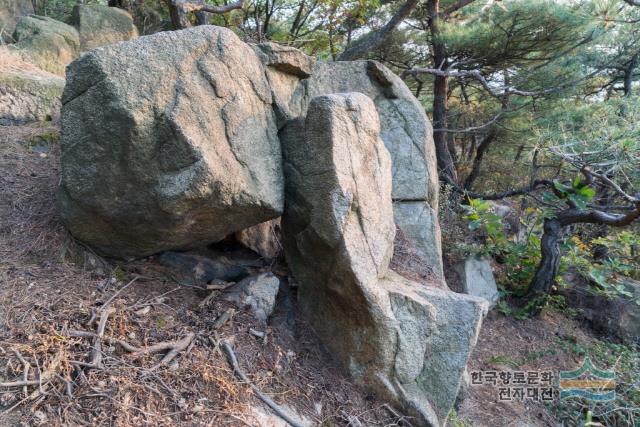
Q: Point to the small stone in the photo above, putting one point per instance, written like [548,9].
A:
[256,292]
[143,311]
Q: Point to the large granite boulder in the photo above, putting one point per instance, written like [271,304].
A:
[168,142]
[407,342]
[47,43]
[27,94]
[10,13]
[404,127]
[100,25]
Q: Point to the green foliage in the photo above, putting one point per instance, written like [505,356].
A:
[519,257]
[578,192]
[609,275]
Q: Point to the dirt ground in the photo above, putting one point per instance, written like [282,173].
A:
[55,295]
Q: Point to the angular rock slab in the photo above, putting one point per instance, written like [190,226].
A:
[100,25]
[477,279]
[47,43]
[168,142]
[264,239]
[406,342]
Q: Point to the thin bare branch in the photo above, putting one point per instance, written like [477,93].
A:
[381,35]
[497,92]
[233,361]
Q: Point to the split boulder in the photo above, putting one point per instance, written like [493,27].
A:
[404,129]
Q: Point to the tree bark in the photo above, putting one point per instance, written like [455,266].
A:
[628,75]
[548,268]
[477,160]
[440,86]
[179,10]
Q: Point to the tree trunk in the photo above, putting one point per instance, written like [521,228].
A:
[477,160]
[179,11]
[550,262]
[179,20]
[628,82]
[440,83]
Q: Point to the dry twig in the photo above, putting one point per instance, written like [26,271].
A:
[233,361]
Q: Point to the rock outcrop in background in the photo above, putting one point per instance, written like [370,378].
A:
[101,26]
[27,93]
[10,13]
[173,141]
[47,43]
[41,46]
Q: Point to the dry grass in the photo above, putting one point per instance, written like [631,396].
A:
[407,262]
[50,286]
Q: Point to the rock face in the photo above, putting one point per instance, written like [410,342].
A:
[476,278]
[419,222]
[10,13]
[27,94]
[264,239]
[404,128]
[617,316]
[173,141]
[47,43]
[407,342]
[180,153]
[202,269]
[102,25]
